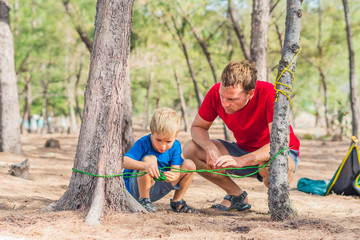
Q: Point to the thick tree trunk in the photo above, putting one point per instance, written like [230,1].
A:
[182,103]
[239,32]
[354,98]
[9,103]
[101,141]
[259,27]
[279,203]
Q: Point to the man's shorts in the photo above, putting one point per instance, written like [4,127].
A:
[158,190]
[235,151]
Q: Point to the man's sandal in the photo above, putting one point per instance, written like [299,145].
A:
[180,206]
[237,203]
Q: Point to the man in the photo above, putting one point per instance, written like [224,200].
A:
[247,107]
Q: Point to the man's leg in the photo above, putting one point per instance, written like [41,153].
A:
[198,156]
[265,172]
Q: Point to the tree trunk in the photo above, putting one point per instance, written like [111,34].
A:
[101,141]
[182,103]
[279,203]
[83,35]
[28,101]
[44,109]
[9,103]
[183,48]
[239,32]
[259,27]
[147,99]
[76,92]
[322,75]
[354,98]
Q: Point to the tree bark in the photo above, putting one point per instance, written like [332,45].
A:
[258,46]
[101,141]
[354,98]
[279,203]
[9,103]
[182,102]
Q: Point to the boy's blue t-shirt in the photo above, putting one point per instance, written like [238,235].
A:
[143,147]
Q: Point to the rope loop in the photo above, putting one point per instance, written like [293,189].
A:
[286,93]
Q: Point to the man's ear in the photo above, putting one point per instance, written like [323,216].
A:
[251,94]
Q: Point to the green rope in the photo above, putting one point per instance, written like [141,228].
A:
[162,177]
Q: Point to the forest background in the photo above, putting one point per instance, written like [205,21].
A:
[52,41]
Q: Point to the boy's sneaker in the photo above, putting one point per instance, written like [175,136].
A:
[147,204]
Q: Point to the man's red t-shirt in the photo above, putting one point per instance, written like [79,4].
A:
[249,124]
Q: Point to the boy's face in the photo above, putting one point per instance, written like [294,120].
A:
[162,143]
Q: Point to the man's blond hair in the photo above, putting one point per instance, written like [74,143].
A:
[239,73]
[165,122]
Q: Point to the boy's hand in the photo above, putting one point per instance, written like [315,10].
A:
[152,169]
[171,176]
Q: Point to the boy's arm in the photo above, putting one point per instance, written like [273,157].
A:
[172,176]
[149,167]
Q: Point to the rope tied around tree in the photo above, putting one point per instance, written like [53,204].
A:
[286,93]
[162,177]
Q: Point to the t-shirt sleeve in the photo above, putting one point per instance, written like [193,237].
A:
[136,152]
[207,110]
[176,158]
[269,103]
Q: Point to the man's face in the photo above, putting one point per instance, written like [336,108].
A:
[234,98]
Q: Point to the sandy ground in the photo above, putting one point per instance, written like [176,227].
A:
[22,201]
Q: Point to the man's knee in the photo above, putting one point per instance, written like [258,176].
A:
[189,149]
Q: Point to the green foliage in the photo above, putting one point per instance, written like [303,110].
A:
[43,30]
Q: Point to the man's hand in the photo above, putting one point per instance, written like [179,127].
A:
[226,161]
[211,157]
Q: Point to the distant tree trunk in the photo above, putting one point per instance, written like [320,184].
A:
[322,75]
[44,109]
[258,46]
[279,203]
[280,37]
[28,101]
[101,141]
[182,102]
[82,34]
[9,103]
[147,99]
[76,88]
[239,32]
[354,98]
[182,46]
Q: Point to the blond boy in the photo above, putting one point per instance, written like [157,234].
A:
[157,150]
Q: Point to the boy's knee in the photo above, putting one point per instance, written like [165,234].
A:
[188,165]
[150,158]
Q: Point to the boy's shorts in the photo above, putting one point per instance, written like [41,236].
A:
[158,190]
[235,151]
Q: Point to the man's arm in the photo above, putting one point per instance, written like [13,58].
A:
[200,135]
[258,157]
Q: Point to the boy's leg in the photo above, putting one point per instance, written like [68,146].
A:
[145,182]
[185,180]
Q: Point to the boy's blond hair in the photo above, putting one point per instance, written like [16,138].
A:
[241,73]
[165,122]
